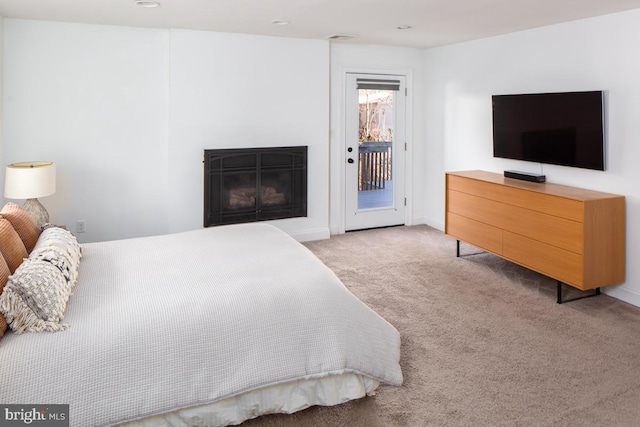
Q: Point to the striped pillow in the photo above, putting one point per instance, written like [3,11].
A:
[22,222]
[11,246]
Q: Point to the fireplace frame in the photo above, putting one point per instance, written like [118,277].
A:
[223,165]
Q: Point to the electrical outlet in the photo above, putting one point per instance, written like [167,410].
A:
[81,226]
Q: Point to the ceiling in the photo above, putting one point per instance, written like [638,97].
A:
[433,22]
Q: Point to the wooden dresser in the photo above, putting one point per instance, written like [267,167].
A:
[573,235]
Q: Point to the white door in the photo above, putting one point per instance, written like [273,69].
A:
[375,151]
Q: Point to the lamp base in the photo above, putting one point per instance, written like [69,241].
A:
[35,209]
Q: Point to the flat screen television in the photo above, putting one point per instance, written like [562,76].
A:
[564,128]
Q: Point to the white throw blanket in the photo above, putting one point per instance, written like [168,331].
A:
[173,321]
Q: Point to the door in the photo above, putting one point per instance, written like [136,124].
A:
[375,151]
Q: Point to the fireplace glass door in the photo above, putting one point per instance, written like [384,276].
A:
[245,185]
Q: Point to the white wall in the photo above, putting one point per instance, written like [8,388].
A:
[126,112]
[592,54]
[382,60]
[235,90]
[93,99]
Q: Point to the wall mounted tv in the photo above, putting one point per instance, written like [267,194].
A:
[556,128]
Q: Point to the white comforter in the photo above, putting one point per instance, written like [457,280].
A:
[175,321]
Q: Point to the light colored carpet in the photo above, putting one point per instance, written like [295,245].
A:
[483,341]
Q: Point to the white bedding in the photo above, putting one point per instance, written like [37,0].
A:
[168,322]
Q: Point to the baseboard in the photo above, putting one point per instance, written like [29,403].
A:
[435,223]
[417,220]
[623,294]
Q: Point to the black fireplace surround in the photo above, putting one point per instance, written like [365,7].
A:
[254,184]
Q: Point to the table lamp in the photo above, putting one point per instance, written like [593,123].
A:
[30,180]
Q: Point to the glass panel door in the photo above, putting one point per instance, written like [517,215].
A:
[375,140]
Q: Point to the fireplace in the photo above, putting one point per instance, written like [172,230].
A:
[254,184]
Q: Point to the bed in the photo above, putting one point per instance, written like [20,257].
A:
[202,328]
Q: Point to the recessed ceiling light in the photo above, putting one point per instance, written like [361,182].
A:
[403,27]
[280,22]
[147,3]
[340,37]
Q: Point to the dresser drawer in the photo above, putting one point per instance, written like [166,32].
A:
[560,264]
[478,188]
[477,208]
[476,233]
[549,204]
[556,231]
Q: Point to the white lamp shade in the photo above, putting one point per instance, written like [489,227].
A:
[30,180]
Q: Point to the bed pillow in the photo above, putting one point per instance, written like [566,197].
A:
[37,293]
[24,225]
[61,248]
[4,275]
[35,297]
[11,246]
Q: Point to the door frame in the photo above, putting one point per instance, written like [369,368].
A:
[338,194]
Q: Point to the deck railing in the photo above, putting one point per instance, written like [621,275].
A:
[374,164]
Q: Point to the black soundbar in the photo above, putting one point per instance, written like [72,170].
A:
[525,176]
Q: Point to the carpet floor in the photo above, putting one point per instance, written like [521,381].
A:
[483,341]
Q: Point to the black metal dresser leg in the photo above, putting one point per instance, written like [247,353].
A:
[596,292]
